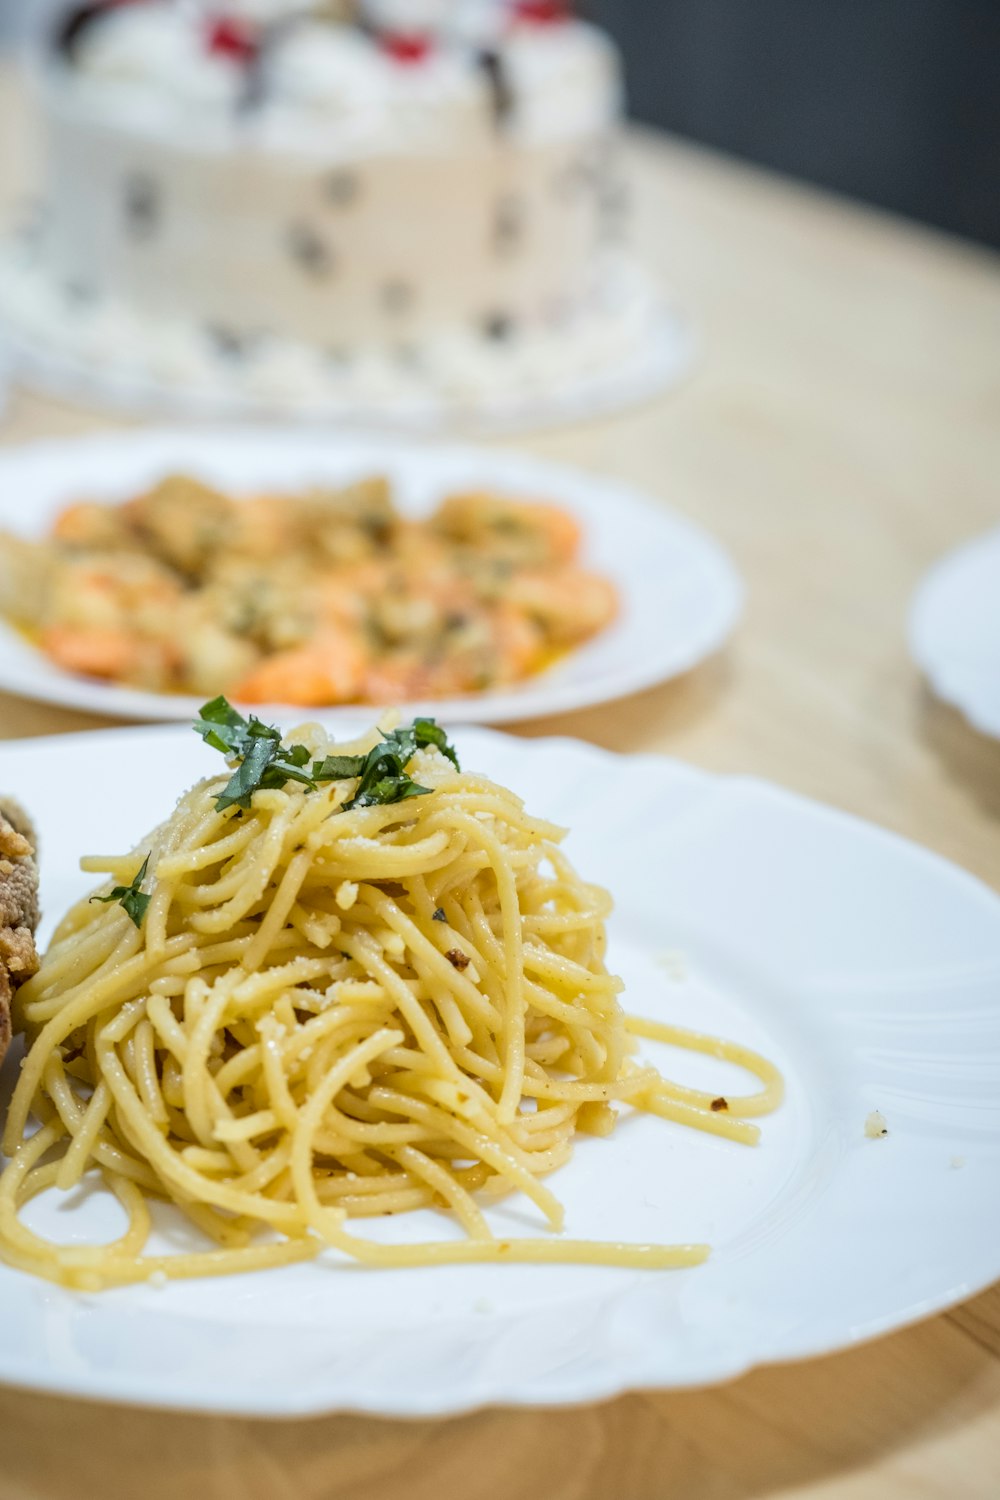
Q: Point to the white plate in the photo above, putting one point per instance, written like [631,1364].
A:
[955,630]
[681,596]
[602,367]
[866,967]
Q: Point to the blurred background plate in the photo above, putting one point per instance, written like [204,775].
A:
[955,631]
[680,594]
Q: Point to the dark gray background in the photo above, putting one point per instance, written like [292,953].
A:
[893,101]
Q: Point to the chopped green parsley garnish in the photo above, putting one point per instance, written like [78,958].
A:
[263,761]
[131,897]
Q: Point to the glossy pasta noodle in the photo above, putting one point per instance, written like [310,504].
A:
[322,1015]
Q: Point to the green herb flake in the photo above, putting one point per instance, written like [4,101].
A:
[248,776]
[134,900]
[385,790]
[264,762]
[338,767]
[429,732]
[383,780]
[221,726]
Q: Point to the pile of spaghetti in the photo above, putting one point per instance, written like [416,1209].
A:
[339,981]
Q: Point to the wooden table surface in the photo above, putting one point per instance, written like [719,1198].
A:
[841,432]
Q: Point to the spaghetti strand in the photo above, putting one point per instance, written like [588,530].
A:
[337,1012]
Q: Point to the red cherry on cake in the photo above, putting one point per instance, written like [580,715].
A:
[406,47]
[229,36]
[541,12]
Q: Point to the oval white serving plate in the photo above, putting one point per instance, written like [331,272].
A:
[866,967]
[680,595]
[955,630]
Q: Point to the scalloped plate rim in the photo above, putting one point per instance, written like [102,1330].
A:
[932,595]
[597,1377]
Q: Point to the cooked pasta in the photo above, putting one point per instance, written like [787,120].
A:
[320,1010]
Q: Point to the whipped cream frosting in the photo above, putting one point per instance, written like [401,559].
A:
[565,80]
[156,48]
[150,63]
[337,76]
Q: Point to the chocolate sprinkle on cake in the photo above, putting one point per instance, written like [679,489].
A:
[498,327]
[310,251]
[142,204]
[508,224]
[501,93]
[342,187]
[227,341]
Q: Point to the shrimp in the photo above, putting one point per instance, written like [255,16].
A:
[273,605]
[529,531]
[117,593]
[568,603]
[114,654]
[518,642]
[343,593]
[342,526]
[490,647]
[408,677]
[183,522]
[97,652]
[90,524]
[113,619]
[260,528]
[366,503]
[400,677]
[329,668]
[210,654]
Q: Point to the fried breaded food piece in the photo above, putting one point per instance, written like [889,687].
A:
[18,908]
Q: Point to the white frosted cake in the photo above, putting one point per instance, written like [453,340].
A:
[408,206]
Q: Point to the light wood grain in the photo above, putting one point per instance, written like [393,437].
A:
[842,431]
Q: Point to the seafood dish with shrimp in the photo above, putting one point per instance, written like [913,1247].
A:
[328,596]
